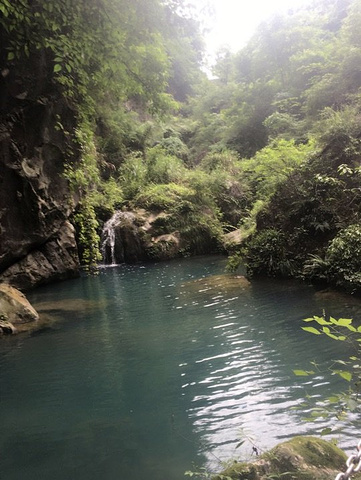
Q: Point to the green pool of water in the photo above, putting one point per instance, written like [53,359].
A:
[148,371]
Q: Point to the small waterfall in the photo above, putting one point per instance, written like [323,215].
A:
[108,238]
[117,239]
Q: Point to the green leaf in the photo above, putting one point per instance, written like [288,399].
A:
[331,335]
[311,330]
[57,67]
[351,328]
[303,373]
[11,56]
[344,322]
[346,375]
[321,321]
[326,431]
[352,404]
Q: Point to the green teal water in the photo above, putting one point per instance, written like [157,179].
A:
[149,371]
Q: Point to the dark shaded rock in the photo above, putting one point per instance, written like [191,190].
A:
[139,235]
[131,237]
[37,127]
[34,195]
[6,328]
[122,239]
[127,237]
[56,260]
[164,247]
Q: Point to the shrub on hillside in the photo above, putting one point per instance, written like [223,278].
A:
[267,254]
[344,257]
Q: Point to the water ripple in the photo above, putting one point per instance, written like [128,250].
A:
[173,366]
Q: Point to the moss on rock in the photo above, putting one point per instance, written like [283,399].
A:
[302,458]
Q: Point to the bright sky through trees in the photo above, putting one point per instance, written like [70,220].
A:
[235,21]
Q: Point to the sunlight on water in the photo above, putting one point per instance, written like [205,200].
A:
[147,370]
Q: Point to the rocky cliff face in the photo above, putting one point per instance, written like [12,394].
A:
[37,244]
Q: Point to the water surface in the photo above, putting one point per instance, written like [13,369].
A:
[152,370]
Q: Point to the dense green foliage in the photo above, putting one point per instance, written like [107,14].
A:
[295,84]
[116,63]
[271,145]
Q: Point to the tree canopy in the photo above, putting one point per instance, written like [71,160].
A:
[267,145]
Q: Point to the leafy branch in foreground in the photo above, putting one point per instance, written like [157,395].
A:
[342,330]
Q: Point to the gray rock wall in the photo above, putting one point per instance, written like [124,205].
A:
[36,125]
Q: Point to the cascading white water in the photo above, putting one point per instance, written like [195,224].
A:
[108,238]
[113,246]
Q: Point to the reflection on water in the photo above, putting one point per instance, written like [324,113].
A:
[149,369]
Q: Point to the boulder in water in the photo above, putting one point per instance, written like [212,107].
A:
[302,458]
[15,311]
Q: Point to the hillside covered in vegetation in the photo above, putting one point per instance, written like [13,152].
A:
[105,106]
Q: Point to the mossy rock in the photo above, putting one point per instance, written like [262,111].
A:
[239,471]
[302,458]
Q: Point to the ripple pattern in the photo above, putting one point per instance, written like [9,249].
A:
[157,367]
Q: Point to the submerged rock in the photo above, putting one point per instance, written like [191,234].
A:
[227,282]
[214,288]
[69,305]
[302,458]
